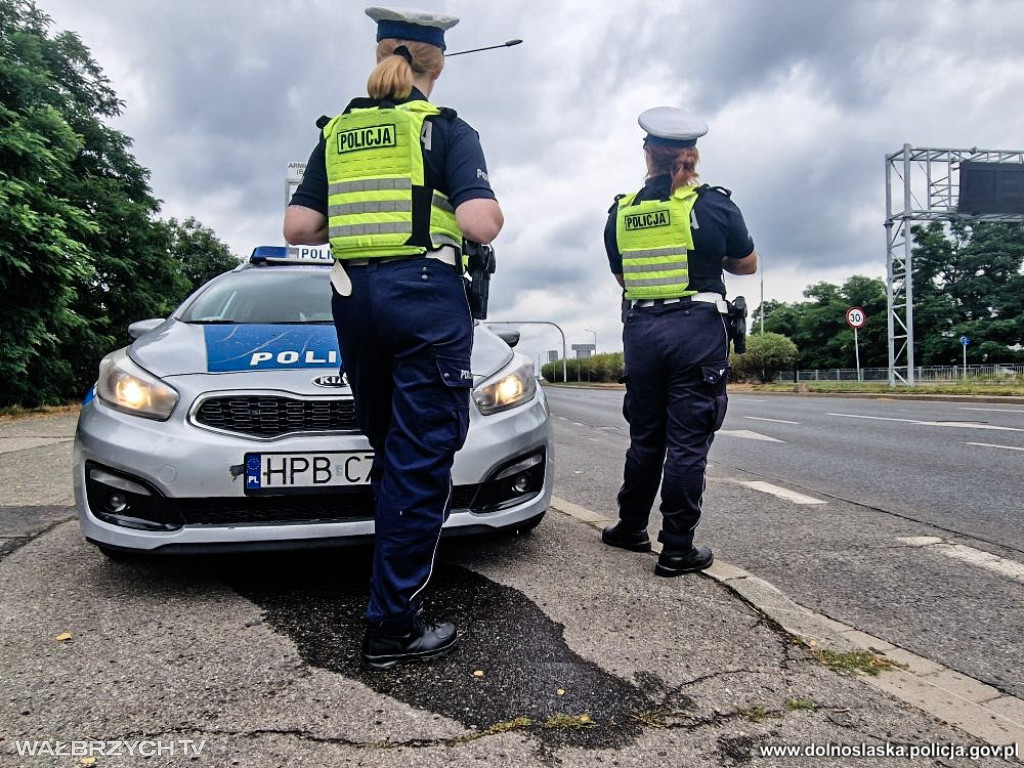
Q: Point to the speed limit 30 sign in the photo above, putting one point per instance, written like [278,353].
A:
[855,317]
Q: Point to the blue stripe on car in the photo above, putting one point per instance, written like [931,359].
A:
[267,347]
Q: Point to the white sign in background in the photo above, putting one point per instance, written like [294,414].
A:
[292,180]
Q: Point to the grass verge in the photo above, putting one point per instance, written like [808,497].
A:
[972,388]
[855,662]
[10,413]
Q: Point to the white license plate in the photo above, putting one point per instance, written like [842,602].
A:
[283,471]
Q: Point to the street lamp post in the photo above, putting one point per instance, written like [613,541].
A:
[561,333]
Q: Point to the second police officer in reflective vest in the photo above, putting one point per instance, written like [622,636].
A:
[668,245]
[394,185]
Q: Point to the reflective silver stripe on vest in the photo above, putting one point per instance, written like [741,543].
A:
[662,267]
[654,281]
[384,228]
[368,185]
[670,251]
[373,206]
[443,239]
[439,202]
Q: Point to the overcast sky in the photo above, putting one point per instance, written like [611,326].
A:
[804,99]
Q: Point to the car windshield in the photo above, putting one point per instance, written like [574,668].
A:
[265,295]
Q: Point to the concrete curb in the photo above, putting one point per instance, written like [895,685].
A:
[961,701]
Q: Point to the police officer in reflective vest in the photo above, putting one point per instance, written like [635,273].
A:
[668,245]
[395,184]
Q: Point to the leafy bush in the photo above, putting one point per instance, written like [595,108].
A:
[605,367]
[766,355]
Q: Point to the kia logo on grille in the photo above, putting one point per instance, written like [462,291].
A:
[330,381]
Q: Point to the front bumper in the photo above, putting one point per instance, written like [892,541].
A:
[190,493]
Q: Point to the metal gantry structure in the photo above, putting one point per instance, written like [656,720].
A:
[931,191]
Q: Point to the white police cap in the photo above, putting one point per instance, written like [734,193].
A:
[672,127]
[410,24]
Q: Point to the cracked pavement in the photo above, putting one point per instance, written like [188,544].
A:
[587,658]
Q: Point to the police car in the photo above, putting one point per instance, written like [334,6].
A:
[227,426]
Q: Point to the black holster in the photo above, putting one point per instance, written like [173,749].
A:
[737,324]
[481,266]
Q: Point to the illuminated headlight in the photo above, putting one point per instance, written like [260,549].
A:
[506,390]
[125,386]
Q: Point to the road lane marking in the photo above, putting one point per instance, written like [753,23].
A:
[782,493]
[746,433]
[961,424]
[994,445]
[976,557]
[774,421]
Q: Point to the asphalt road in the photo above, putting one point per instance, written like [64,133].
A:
[869,475]
[572,654]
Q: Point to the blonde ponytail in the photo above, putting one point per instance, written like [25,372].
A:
[393,76]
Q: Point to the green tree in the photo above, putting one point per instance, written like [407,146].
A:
[767,355]
[968,281]
[819,329]
[42,256]
[81,250]
[198,250]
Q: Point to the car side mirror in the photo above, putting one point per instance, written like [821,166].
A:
[509,336]
[142,327]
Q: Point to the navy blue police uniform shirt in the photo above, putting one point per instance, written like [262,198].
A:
[453,164]
[720,232]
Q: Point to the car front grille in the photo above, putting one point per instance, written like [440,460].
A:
[274,415]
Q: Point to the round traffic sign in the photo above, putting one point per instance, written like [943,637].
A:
[855,317]
[965,340]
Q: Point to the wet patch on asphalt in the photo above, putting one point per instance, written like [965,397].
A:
[531,680]
[20,525]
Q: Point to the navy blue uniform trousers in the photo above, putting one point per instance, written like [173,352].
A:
[676,359]
[406,336]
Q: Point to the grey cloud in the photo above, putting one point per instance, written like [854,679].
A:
[221,96]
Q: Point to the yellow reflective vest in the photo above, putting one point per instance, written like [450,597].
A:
[378,202]
[654,238]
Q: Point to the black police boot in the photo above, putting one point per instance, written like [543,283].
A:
[623,537]
[425,641]
[677,563]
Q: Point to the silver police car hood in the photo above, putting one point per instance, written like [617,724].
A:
[181,349]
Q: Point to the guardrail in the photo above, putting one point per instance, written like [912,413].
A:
[939,373]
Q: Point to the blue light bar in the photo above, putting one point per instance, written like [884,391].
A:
[296,254]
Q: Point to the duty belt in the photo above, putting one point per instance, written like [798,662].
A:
[343,284]
[445,253]
[704,298]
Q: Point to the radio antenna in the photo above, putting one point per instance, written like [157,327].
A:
[507,44]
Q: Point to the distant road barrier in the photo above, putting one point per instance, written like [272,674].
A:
[938,373]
